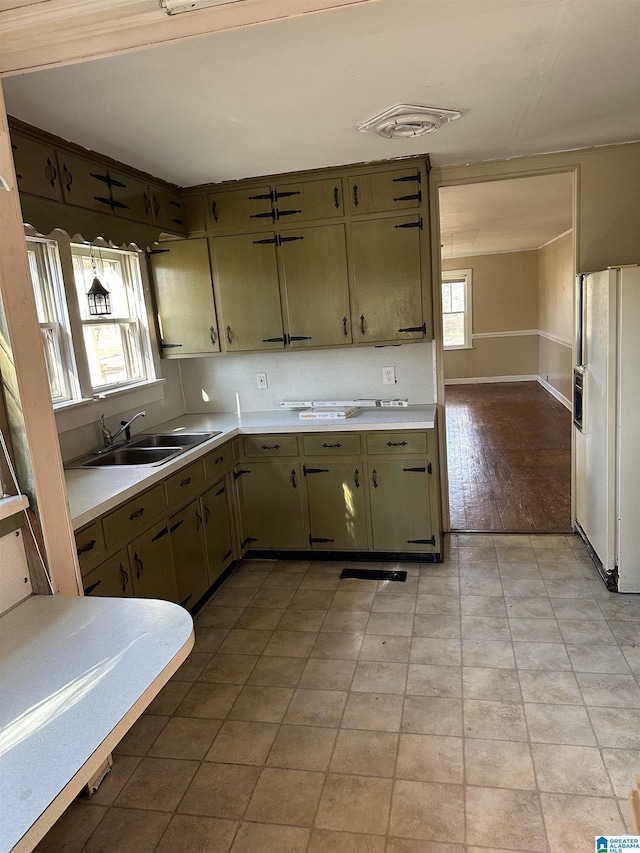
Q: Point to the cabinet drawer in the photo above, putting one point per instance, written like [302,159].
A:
[397,442]
[89,544]
[270,445]
[131,517]
[331,444]
[185,481]
[219,461]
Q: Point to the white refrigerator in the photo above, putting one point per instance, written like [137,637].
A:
[606,406]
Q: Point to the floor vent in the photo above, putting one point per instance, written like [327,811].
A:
[374,575]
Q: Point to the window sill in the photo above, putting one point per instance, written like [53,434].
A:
[79,413]
[453,349]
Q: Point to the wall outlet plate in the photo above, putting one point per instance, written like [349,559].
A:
[261,379]
[389,376]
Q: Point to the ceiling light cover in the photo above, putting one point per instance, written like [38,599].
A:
[174,7]
[404,121]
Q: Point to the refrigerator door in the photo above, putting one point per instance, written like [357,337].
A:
[595,444]
[628,430]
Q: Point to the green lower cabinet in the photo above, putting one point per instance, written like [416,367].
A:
[271,508]
[189,558]
[111,578]
[400,505]
[217,530]
[152,565]
[337,505]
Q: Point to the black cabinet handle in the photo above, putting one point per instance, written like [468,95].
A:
[218,460]
[137,514]
[51,172]
[374,477]
[270,447]
[336,198]
[198,520]
[220,492]
[207,514]
[160,534]
[68,178]
[337,444]
[214,210]
[175,526]
[185,482]
[125,578]
[91,588]
[147,203]
[344,327]
[396,444]
[362,328]
[156,206]
[356,478]
[88,547]
[140,565]
[228,334]
[212,335]
[355,195]
[293,480]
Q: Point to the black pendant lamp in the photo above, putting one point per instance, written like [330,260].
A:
[98,296]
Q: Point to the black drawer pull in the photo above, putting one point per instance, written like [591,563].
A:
[137,514]
[270,447]
[337,444]
[396,444]
[185,482]
[88,547]
[218,460]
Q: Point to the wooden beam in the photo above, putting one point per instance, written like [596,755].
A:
[63,32]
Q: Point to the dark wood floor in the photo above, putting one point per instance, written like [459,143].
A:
[509,456]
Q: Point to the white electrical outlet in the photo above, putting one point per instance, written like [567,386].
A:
[388,376]
[262,380]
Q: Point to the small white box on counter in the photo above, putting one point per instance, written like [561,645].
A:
[328,414]
[333,404]
[296,404]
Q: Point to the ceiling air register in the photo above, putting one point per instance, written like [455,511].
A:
[404,121]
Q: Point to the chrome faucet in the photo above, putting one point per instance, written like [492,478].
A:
[125,427]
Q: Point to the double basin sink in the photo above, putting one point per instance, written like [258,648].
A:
[149,449]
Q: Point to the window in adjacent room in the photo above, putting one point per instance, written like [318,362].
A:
[456,309]
[117,344]
[48,287]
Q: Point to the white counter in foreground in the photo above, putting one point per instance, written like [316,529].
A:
[76,673]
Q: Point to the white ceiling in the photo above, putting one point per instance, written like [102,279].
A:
[529,76]
[504,216]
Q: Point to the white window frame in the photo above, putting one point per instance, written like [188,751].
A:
[465,275]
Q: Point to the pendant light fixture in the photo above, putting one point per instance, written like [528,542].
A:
[98,296]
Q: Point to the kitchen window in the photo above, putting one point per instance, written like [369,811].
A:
[456,309]
[116,344]
[88,356]
[53,317]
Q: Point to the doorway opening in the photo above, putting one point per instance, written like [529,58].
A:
[508,273]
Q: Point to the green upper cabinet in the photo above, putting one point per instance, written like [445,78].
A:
[271,507]
[382,191]
[337,505]
[36,167]
[307,200]
[240,210]
[401,516]
[184,297]
[167,209]
[316,285]
[245,274]
[85,183]
[131,197]
[387,279]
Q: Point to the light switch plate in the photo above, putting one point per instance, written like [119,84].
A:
[261,379]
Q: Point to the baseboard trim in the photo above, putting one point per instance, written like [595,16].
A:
[555,393]
[351,556]
[477,380]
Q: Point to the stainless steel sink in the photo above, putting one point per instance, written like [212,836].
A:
[150,449]
[181,439]
[134,456]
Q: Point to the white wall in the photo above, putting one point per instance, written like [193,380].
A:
[211,384]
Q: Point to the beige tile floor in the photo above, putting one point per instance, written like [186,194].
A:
[490,703]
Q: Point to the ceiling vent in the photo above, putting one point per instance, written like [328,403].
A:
[404,121]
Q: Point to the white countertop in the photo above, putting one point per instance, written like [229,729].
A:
[94,491]
[76,673]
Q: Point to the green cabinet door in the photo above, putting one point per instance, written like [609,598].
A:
[307,200]
[36,167]
[189,559]
[239,210]
[400,506]
[85,182]
[111,578]
[337,505]
[316,282]
[167,209]
[131,197]
[270,497]
[152,565]
[184,297]
[248,292]
[217,530]
[382,191]
[387,276]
